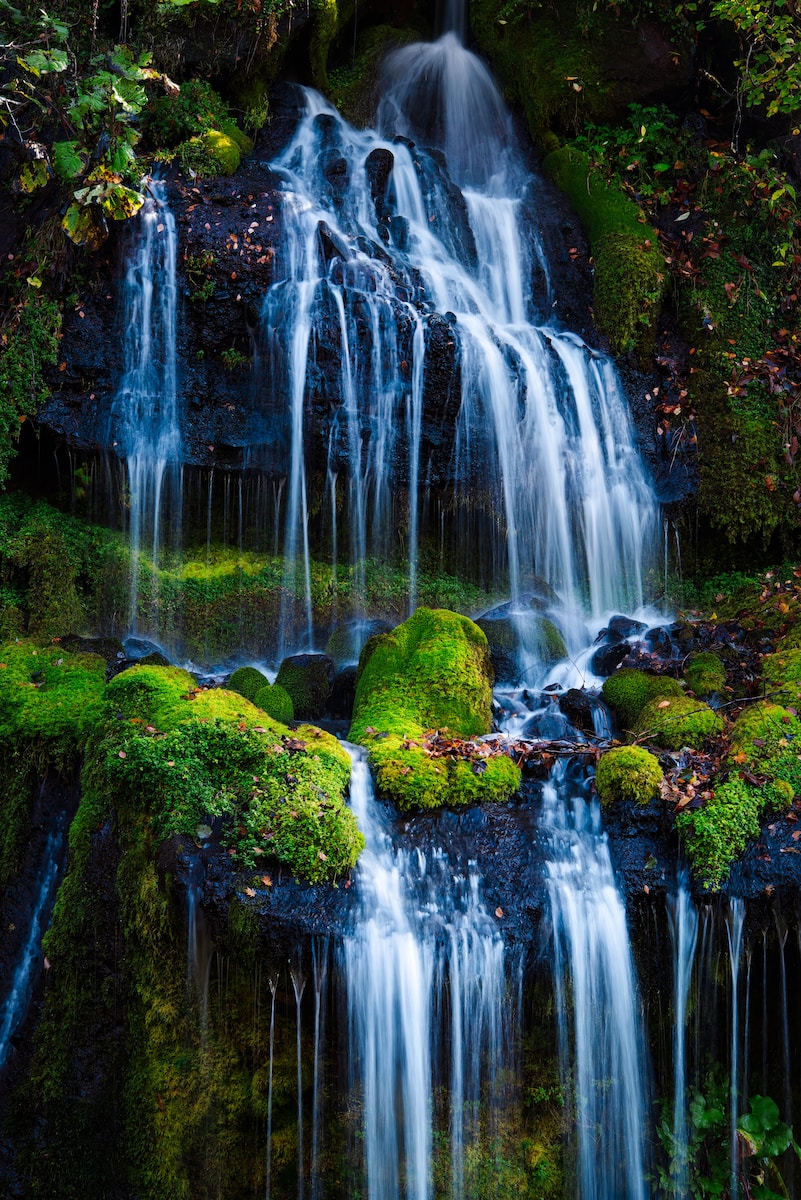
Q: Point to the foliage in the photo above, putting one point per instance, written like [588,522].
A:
[770,69]
[431,672]
[628,691]
[762,1138]
[628,773]
[28,346]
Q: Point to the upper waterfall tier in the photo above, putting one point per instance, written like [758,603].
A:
[384,241]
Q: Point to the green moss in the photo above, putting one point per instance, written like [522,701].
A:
[705,674]
[324,29]
[770,738]
[247,681]
[782,673]
[629,690]
[351,87]
[48,701]
[629,269]
[628,773]
[718,833]
[431,672]
[190,756]
[29,347]
[306,678]
[276,702]
[678,722]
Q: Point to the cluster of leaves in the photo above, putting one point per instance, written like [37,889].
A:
[762,1138]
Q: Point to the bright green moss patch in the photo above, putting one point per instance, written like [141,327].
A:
[718,833]
[628,691]
[431,672]
[782,673]
[247,681]
[192,757]
[628,773]
[770,738]
[705,674]
[677,722]
[48,701]
[276,702]
[629,269]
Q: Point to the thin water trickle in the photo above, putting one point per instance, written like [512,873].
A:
[601,1042]
[734,934]
[683,920]
[299,986]
[28,965]
[144,415]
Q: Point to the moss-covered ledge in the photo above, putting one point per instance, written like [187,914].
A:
[629,268]
[432,673]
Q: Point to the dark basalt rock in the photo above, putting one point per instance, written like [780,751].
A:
[607,658]
[625,627]
[579,706]
[659,641]
[343,693]
[309,679]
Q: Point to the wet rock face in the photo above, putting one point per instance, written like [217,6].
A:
[233,399]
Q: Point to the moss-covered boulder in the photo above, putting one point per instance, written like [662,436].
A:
[628,691]
[48,702]
[276,702]
[678,721]
[248,682]
[628,773]
[430,673]
[307,679]
[782,674]
[718,833]
[629,268]
[193,757]
[705,674]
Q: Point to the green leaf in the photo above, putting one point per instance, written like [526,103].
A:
[34,175]
[43,62]
[765,1111]
[121,202]
[66,160]
[84,226]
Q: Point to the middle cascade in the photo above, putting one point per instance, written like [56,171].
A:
[408,265]
[431,1010]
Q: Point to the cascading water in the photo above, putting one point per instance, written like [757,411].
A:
[683,921]
[422,934]
[601,1047]
[381,251]
[144,417]
[28,966]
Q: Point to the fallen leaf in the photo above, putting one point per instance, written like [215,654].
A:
[499,912]
[249,891]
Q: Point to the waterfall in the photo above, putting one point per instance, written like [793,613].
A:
[393,255]
[144,416]
[428,1008]
[299,986]
[17,999]
[734,934]
[601,1048]
[683,920]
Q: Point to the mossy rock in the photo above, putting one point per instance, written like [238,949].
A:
[194,756]
[431,672]
[629,269]
[276,702]
[48,694]
[678,721]
[717,834]
[770,737]
[628,691]
[628,773]
[248,681]
[307,679]
[782,674]
[705,674]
